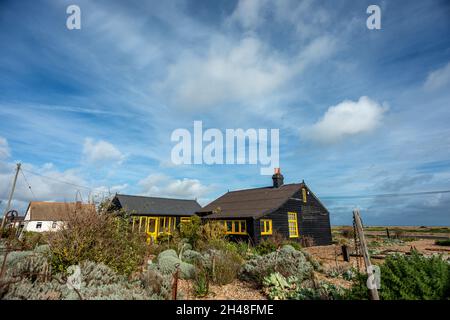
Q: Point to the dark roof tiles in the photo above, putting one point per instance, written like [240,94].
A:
[158,206]
[250,203]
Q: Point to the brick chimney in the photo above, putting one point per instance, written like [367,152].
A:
[277,178]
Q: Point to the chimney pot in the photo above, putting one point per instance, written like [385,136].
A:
[278,179]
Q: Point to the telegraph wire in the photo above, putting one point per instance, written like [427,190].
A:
[29,186]
[66,182]
[384,195]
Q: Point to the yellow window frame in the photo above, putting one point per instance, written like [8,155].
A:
[293,224]
[240,224]
[266,226]
[185,220]
[304,194]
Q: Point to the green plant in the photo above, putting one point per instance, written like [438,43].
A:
[102,238]
[412,277]
[445,242]
[286,261]
[277,287]
[270,243]
[225,266]
[168,262]
[320,291]
[201,279]
[191,230]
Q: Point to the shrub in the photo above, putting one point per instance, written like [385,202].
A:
[101,238]
[445,242]
[191,230]
[413,277]
[321,291]
[266,246]
[225,266]
[348,233]
[28,277]
[287,261]
[98,283]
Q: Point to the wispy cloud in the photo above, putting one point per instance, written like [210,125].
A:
[438,79]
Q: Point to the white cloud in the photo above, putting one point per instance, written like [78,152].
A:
[438,78]
[164,186]
[4,148]
[346,119]
[101,151]
[229,72]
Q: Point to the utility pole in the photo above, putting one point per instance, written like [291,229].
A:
[365,252]
[8,206]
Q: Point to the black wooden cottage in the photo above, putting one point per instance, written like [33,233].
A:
[291,210]
[156,216]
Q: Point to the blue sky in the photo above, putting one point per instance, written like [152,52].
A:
[360,112]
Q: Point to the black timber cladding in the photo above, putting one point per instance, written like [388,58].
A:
[142,205]
[274,203]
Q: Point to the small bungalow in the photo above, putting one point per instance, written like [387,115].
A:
[291,210]
[156,216]
[50,216]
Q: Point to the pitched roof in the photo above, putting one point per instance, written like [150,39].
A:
[56,211]
[157,206]
[251,202]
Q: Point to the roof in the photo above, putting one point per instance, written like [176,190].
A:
[251,202]
[157,206]
[56,211]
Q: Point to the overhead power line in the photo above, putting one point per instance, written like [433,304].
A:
[29,186]
[386,195]
[65,182]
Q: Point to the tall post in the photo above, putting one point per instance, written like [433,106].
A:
[365,252]
[8,206]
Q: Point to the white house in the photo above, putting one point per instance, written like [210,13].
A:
[50,216]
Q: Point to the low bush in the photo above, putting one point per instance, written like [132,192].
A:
[445,242]
[225,266]
[287,261]
[168,262]
[270,243]
[28,277]
[278,287]
[101,238]
[413,277]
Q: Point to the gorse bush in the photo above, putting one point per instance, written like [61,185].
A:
[413,277]
[101,238]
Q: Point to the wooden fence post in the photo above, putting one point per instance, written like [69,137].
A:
[373,293]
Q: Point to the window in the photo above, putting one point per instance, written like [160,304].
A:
[166,224]
[235,226]
[185,220]
[266,226]
[293,226]
[304,194]
[38,225]
[54,224]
